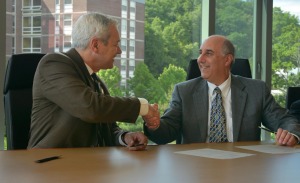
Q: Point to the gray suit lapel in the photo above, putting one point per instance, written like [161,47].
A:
[200,100]
[238,100]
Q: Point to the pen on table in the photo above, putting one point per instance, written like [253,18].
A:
[47,159]
[266,129]
[136,145]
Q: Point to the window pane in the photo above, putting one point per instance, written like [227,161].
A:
[285,47]
[27,21]
[26,2]
[37,21]
[36,2]
[234,19]
[36,42]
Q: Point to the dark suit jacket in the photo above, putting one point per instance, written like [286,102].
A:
[66,109]
[252,104]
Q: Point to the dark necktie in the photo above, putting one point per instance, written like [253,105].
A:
[96,82]
[217,119]
[100,130]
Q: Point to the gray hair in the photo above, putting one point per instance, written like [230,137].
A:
[91,25]
[228,48]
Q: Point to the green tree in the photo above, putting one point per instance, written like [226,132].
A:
[112,79]
[234,19]
[172,33]
[144,85]
[285,53]
[170,76]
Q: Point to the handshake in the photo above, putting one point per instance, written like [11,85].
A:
[152,118]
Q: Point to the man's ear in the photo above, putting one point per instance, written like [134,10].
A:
[94,44]
[229,59]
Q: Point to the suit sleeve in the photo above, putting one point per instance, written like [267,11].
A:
[275,116]
[62,82]
[169,128]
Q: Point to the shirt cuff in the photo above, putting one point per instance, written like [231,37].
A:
[121,141]
[144,106]
[296,137]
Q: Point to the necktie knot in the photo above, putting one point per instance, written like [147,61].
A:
[217,90]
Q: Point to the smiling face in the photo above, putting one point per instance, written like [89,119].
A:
[104,52]
[213,63]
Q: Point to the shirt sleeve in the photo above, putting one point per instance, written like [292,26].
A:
[144,107]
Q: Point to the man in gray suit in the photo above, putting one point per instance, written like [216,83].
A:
[72,109]
[248,103]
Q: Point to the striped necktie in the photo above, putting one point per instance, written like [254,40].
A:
[217,132]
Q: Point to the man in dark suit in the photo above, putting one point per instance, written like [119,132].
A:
[248,103]
[69,109]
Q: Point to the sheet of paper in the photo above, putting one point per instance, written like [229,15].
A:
[214,153]
[271,148]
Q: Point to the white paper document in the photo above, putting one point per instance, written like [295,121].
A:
[271,148]
[214,153]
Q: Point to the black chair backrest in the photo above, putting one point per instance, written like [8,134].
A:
[292,95]
[240,67]
[17,92]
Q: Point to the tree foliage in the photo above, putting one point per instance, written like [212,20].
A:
[112,79]
[172,33]
[170,76]
[285,52]
[144,85]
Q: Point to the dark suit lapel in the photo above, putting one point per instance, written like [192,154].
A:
[80,66]
[200,99]
[238,100]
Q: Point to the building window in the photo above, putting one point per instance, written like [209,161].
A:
[32,25]
[67,24]
[68,6]
[31,45]
[67,42]
[123,28]
[124,48]
[132,10]
[124,9]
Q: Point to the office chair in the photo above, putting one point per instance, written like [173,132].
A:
[18,98]
[240,67]
[292,95]
[293,101]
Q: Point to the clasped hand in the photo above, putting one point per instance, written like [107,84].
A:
[152,119]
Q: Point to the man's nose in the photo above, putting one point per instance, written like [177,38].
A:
[200,59]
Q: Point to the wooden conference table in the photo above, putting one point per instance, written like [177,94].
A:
[157,164]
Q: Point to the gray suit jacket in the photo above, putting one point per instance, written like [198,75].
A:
[66,109]
[252,104]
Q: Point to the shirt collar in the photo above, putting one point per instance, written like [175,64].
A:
[89,69]
[224,87]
